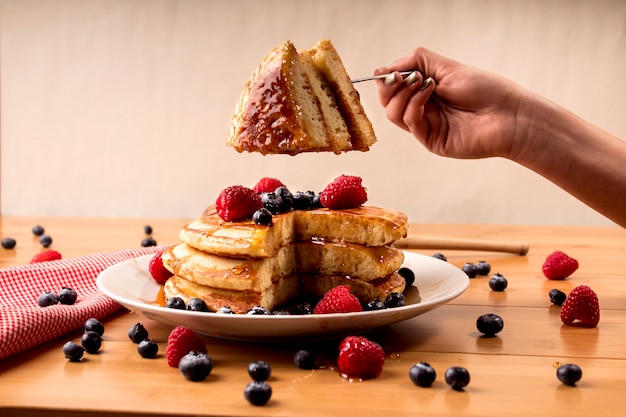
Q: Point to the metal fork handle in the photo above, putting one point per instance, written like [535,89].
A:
[376,77]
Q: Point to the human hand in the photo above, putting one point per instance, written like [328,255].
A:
[465,113]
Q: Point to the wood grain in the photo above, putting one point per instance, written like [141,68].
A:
[512,374]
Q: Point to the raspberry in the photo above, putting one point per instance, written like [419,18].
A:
[559,265]
[44,256]
[158,271]
[344,192]
[338,300]
[236,203]
[581,308]
[267,185]
[361,358]
[180,342]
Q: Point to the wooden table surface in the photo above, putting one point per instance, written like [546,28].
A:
[512,374]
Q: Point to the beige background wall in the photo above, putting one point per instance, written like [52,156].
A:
[120,108]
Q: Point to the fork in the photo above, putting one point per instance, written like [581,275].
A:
[404,74]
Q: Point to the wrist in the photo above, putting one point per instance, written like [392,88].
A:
[541,129]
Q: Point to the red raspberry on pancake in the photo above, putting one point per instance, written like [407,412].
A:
[267,185]
[345,192]
[237,203]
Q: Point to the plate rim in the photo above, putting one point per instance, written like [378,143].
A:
[103,280]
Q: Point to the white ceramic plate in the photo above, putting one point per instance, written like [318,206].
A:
[130,284]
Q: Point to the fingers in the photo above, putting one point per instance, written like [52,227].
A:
[404,99]
[397,80]
[414,115]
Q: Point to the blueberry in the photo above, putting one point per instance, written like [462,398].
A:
[440,256]
[94,325]
[38,230]
[470,269]
[67,296]
[557,297]
[498,282]
[286,197]
[489,324]
[195,366]
[137,333]
[73,351]
[175,302]
[484,268]
[45,241]
[258,311]
[197,304]
[8,243]
[257,393]
[149,241]
[262,217]
[374,305]
[148,348]
[91,342]
[395,299]
[422,374]
[225,310]
[304,359]
[569,373]
[147,229]
[302,309]
[259,370]
[272,202]
[47,298]
[408,275]
[316,202]
[457,377]
[302,201]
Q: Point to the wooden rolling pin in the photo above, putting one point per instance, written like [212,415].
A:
[429,242]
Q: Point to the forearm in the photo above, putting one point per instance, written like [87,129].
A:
[582,159]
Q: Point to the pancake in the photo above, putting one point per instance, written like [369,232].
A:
[319,258]
[300,101]
[338,135]
[365,291]
[229,273]
[367,263]
[327,61]
[276,112]
[282,291]
[240,302]
[364,225]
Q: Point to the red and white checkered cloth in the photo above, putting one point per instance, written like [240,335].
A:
[23,324]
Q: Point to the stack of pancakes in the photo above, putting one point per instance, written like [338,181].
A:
[300,101]
[242,265]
